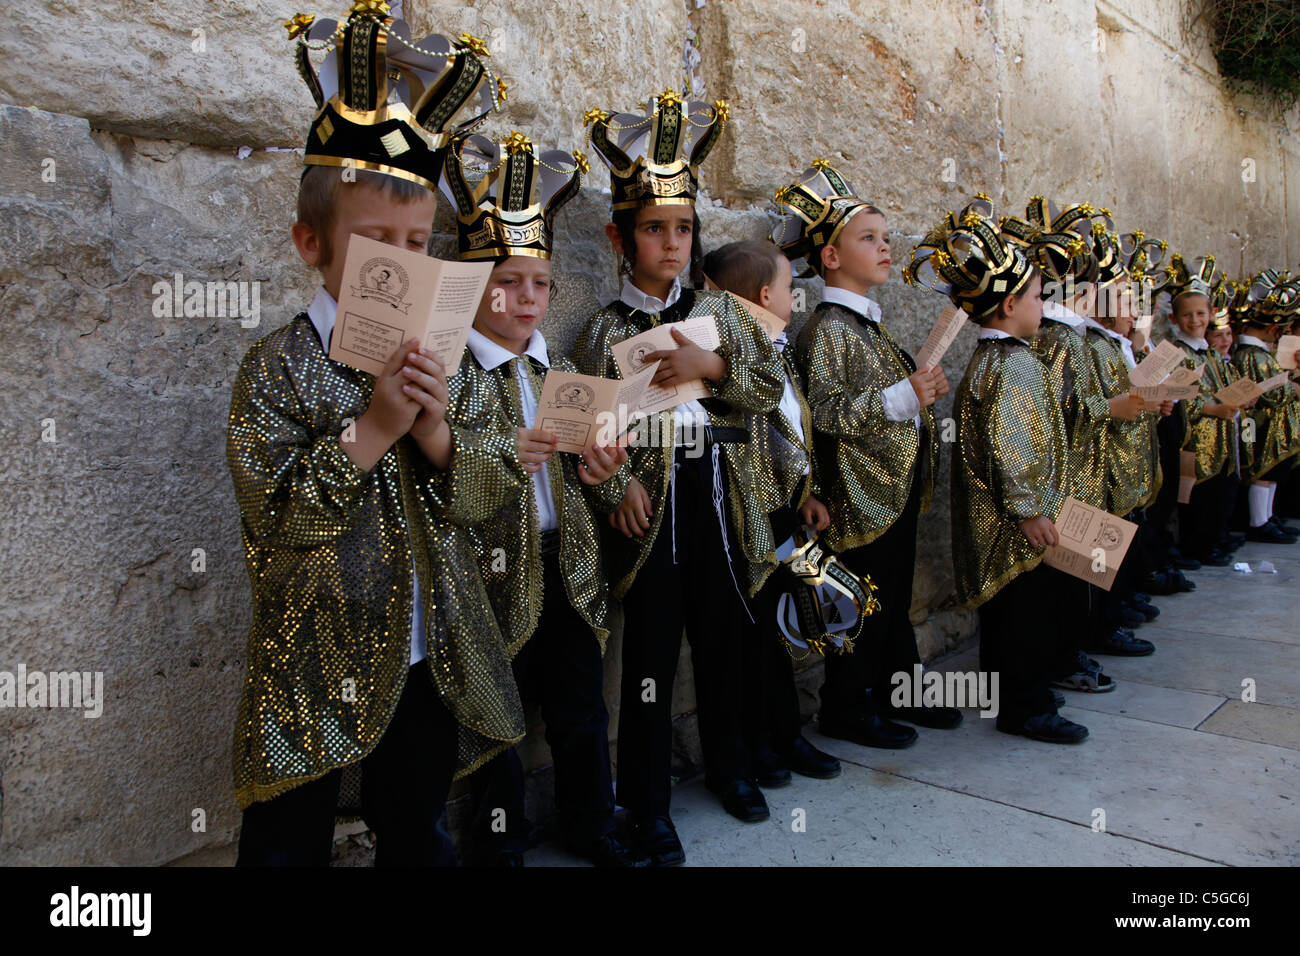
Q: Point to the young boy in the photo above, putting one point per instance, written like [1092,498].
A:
[369,615]
[780,460]
[535,535]
[1008,479]
[684,513]
[875,443]
[1211,426]
[1275,415]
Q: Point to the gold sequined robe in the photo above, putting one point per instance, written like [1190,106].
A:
[1128,451]
[1212,439]
[1084,409]
[1009,466]
[329,551]
[863,460]
[753,382]
[1276,413]
[490,494]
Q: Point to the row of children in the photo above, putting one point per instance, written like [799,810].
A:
[425,564]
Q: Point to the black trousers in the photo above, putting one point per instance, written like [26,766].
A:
[1204,519]
[1016,643]
[404,785]
[692,590]
[1080,613]
[560,669]
[1169,432]
[772,717]
[887,642]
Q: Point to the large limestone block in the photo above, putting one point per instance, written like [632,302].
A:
[901,96]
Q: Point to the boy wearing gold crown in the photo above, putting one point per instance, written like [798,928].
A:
[1061,244]
[875,444]
[1009,477]
[683,516]
[372,638]
[1275,417]
[532,526]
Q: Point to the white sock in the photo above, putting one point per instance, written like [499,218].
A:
[1258,499]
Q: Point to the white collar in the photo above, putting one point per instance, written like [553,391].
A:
[868,308]
[490,355]
[1199,344]
[781,341]
[322,312]
[1094,324]
[1245,339]
[987,333]
[1059,313]
[634,298]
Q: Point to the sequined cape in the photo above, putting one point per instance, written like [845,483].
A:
[489,493]
[329,551]
[1128,451]
[1213,440]
[1276,413]
[1009,466]
[753,382]
[777,456]
[864,461]
[1084,409]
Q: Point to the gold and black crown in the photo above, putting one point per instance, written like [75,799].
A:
[1058,241]
[387,103]
[814,210]
[1271,298]
[654,160]
[1197,279]
[507,203]
[1144,258]
[967,259]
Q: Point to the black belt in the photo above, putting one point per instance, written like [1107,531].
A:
[713,436]
[550,542]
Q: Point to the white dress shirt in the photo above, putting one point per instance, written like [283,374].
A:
[899,399]
[322,312]
[1244,339]
[1199,344]
[490,356]
[790,400]
[689,414]
[987,333]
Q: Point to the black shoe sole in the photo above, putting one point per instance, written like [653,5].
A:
[1021,732]
[862,742]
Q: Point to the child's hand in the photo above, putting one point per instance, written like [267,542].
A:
[535,448]
[686,363]
[393,405]
[814,513]
[425,371]
[1127,407]
[929,384]
[599,464]
[633,515]
[1166,408]
[1221,411]
[1040,531]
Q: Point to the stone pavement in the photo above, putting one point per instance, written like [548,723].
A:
[1185,772]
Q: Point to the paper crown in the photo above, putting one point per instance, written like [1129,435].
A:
[1229,301]
[967,259]
[387,103]
[1270,298]
[819,204]
[654,160]
[506,206]
[1058,241]
[1198,279]
[1144,258]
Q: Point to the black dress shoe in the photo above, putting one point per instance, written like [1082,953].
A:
[743,800]
[1138,597]
[1050,728]
[807,761]
[1186,564]
[1269,534]
[1283,526]
[1127,617]
[1216,558]
[770,769]
[936,718]
[656,837]
[867,729]
[1122,644]
[611,851]
[1146,609]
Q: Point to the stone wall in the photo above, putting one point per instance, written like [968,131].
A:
[121,167]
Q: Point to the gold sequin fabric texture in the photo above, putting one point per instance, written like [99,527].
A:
[329,550]
[862,458]
[1126,450]
[489,493]
[1009,465]
[754,382]
[1083,408]
[1276,413]
[1213,440]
